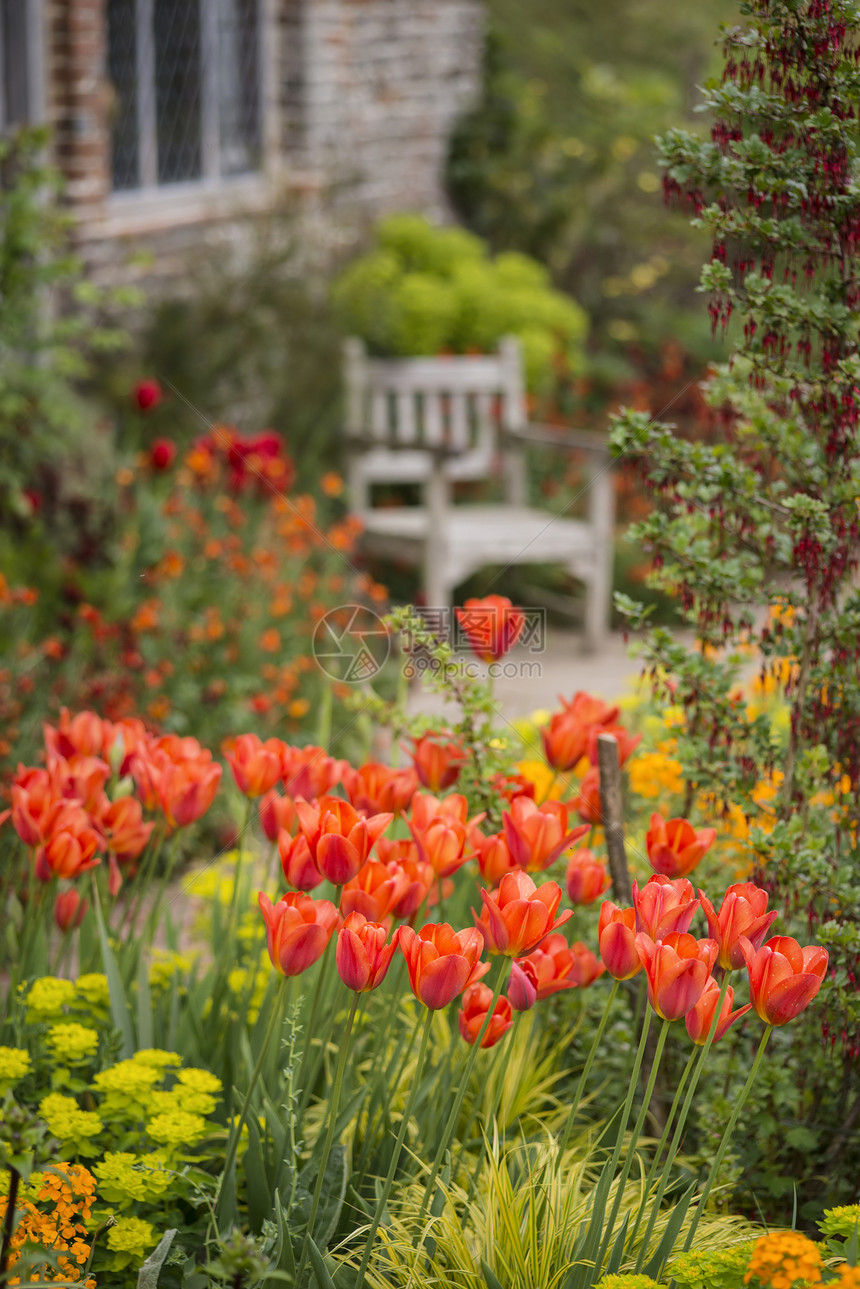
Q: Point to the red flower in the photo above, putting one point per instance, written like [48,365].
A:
[298,863]
[674,846]
[373,890]
[537,835]
[437,762]
[126,834]
[564,741]
[743,912]
[297,930]
[519,915]
[523,985]
[162,454]
[441,962]
[473,1013]
[627,742]
[378,788]
[677,969]
[494,856]
[147,394]
[339,839]
[492,626]
[362,955]
[69,910]
[664,905]
[588,801]
[700,1019]
[256,766]
[784,978]
[589,710]
[616,935]
[277,813]
[586,877]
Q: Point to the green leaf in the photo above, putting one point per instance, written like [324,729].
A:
[490,1280]
[147,1276]
[324,1280]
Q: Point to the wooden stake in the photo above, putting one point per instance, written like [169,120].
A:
[613,817]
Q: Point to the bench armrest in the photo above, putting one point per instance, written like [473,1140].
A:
[552,436]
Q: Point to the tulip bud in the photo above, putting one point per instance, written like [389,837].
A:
[69,910]
[522,986]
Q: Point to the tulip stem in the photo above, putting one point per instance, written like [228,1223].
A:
[305,1075]
[457,1106]
[234,906]
[724,1143]
[499,1066]
[398,1146]
[334,1101]
[401,1054]
[679,1128]
[586,1069]
[236,1130]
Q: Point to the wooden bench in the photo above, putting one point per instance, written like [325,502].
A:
[437,421]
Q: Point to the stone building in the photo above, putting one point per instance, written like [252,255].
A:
[174,121]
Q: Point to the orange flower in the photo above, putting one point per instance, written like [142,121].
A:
[473,1013]
[564,741]
[297,930]
[441,844]
[588,802]
[523,985]
[589,710]
[492,626]
[331,484]
[363,957]
[616,936]
[437,762]
[674,847]
[372,891]
[297,862]
[743,912]
[308,771]
[677,969]
[270,640]
[375,787]
[518,915]
[256,766]
[69,910]
[701,1017]
[784,978]
[122,823]
[339,839]
[84,734]
[277,813]
[441,962]
[627,742]
[558,965]
[71,848]
[586,877]
[536,835]
[494,856]
[664,905]
[586,968]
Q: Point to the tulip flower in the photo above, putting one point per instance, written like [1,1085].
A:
[564,741]
[588,802]
[308,772]
[162,454]
[277,814]
[627,742]
[297,930]
[589,710]
[494,856]
[518,915]
[377,788]
[414,882]
[69,910]
[491,626]
[677,970]
[437,762]
[476,1003]
[509,786]
[585,968]
[442,845]
[68,852]
[84,734]
[586,877]
[425,808]
[523,985]
[701,1017]
[33,803]
[147,394]
[373,891]
[784,978]
[126,834]
[616,937]
[663,905]
[340,840]
[558,965]
[80,779]
[297,862]
[743,912]
[674,847]
[186,792]
[362,955]
[537,835]
[256,766]
[441,962]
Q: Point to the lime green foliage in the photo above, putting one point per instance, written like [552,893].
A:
[47,997]
[711,1269]
[72,1044]
[627,1282]
[423,289]
[843,1220]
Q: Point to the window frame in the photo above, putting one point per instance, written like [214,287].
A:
[211,186]
[31,36]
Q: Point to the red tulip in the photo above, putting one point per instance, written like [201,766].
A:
[425,808]
[494,856]
[700,1019]
[377,788]
[34,802]
[442,844]
[492,626]
[564,741]
[147,394]
[84,734]
[256,766]
[126,834]
[677,969]
[627,742]
[373,891]
[586,877]
[441,962]
[437,762]
[743,913]
[277,814]
[308,772]
[663,905]
[68,853]
[674,846]
[297,930]
[537,835]
[523,985]
[588,802]
[69,910]
[586,968]
[518,915]
[558,965]
[589,710]
[340,840]
[362,955]
[473,1013]
[162,454]
[414,880]
[784,978]
[297,862]
[187,792]
[616,934]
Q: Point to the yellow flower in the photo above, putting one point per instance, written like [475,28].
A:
[68,1122]
[92,991]
[130,1239]
[200,1080]
[840,1220]
[72,1044]
[782,1259]
[157,1058]
[126,1088]
[125,1179]
[14,1066]
[653,774]
[47,997]
[177,1128]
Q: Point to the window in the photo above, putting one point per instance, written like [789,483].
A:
[186,87]
[19,62]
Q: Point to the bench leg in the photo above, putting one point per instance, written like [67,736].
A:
[598,598]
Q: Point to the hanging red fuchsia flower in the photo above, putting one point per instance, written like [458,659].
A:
[784,978]
[743,912]
[537,835]
[677,969]
[663,905]
[492,626]
[518,915]
[700,1019]
[476,1003]
[339,839]
[616,935]
[586,877]
[162,454]
[378,789]
[441,962]
[675,847]
[147,394]
[437,762]
[297,930]
[256,766]
[363,957]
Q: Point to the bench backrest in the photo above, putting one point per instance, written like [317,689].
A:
[398,410]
